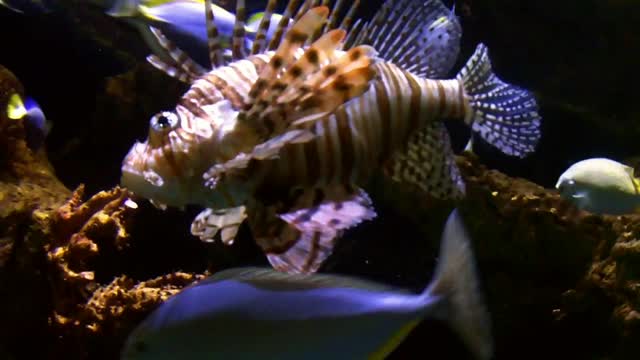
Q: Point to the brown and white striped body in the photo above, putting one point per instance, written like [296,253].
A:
[364,133]
[350,143]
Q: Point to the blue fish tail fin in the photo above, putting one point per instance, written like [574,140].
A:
[504,115]
[456,281]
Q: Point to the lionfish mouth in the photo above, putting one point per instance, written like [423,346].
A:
[134,161]
[137,176]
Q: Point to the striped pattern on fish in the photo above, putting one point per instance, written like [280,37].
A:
[285,138]
[364,133]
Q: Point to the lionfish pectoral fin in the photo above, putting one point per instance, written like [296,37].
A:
[267,150]
[225,221]
[428,164]
[292,89]
[419,36]
[300,239]
[504,115]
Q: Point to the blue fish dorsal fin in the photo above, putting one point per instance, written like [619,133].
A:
[279,281]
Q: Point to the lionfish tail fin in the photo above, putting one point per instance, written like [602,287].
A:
[504,115]
[457,282]
[420,36]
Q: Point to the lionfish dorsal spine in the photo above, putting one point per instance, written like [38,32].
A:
[356,34]
[302,10]
[320,30]
[333,19]
[261,35]
[170,70]
[183,66]
[301,84]
[213,38]
[348,19]
[238,51]
[282,25]
[293,40]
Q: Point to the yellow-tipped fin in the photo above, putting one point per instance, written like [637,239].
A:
[15,108]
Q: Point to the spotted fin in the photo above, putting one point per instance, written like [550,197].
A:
[210,222]
[419,36]
[504,115]
[283,24]
[428,163]
[285,54]
[299,239]
[290,91]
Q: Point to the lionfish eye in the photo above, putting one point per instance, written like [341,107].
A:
[165,120]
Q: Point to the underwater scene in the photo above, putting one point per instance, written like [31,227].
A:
[319,179]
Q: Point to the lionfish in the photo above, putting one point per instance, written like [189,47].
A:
[286,135]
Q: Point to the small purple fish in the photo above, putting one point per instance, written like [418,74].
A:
[36,125]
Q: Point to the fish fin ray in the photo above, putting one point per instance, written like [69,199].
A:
[171,70]
[209,222]
[309,89]
[504,115]
[214,43]
[428,163]
[305,234]
[181,59]
[283,25]
[238,40]
[267,150]
[421,37]
[261,35]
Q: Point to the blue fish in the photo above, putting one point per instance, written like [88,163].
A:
[36,125]
[253,313]
[183,22]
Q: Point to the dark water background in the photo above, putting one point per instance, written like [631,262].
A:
[575,55]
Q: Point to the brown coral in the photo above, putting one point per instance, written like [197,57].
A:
[81,232]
